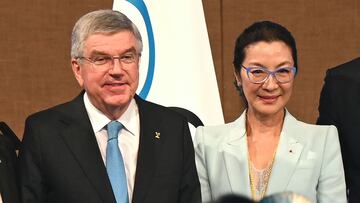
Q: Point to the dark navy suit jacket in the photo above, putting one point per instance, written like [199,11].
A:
[60,160]
[8,182]
[340,106]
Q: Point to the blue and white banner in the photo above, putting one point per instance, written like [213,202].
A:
[176,67]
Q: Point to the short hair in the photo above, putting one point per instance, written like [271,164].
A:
[266,31]
[101,21]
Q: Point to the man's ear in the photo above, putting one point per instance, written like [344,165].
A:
[77,71]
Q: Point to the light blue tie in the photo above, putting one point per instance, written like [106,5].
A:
[115,164]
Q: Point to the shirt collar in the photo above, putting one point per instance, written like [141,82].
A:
[129,119]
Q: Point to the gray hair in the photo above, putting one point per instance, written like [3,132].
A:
[101,21]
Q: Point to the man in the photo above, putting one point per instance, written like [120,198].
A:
[339,106]
[8,183]
[68,153]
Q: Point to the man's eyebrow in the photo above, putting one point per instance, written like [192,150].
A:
[131,49]
[96,52]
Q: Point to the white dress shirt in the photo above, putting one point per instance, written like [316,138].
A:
[128,137]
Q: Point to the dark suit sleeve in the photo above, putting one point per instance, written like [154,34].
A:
[8,182]
[190,186]
[31,178]
[327,106]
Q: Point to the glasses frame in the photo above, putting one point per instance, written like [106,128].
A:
[272,73]
[112,62]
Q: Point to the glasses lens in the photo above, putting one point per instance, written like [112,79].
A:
[101,60]
[284,75]
[128,58]
[257,75]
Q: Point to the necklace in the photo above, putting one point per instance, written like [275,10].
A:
[258,191]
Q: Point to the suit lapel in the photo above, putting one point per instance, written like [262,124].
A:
[81,141]
[149,147]
[287,156]
[286,160]
[236,157]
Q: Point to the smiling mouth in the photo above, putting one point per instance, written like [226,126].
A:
[115,87]
[114,84]
[117,84]
[268,99]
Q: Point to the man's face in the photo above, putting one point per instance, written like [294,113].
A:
[110,87]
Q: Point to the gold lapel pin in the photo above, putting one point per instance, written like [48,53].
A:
[157,135]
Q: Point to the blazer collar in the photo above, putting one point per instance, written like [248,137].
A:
[80,139]
[237,131]
[286,159]
[236,156]
[287,156]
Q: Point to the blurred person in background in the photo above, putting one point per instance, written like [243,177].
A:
[9,143]
[339,106]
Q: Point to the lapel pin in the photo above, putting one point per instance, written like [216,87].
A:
[157,135]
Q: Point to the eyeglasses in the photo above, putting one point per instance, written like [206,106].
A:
[106,62]
[260,75]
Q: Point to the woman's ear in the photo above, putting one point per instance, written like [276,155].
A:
[238,78]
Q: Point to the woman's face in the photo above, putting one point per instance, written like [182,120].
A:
[270,97]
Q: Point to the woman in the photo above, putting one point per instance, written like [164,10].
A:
[266,150]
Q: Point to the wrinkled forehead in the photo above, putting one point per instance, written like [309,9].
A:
[107,41]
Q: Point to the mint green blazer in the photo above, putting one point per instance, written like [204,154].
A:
[308,161]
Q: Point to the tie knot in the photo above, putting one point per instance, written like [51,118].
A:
[113,129]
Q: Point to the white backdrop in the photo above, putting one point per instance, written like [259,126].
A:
[176,65]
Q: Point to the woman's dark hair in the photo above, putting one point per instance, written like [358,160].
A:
[262,31]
